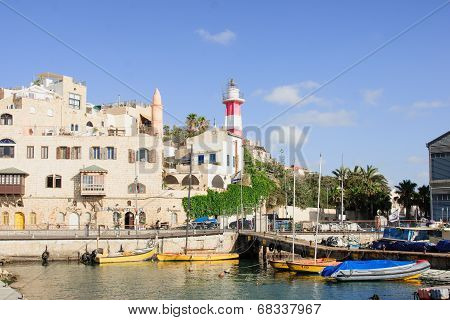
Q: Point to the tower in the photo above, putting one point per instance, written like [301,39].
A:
[233,100]
[157,113]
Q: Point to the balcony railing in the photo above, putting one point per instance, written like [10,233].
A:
[12,189]
[93,190]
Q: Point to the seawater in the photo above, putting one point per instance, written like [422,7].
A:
[244,279]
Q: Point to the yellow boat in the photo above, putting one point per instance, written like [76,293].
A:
[197,257]
[131,256]
[311,266]
[279,265]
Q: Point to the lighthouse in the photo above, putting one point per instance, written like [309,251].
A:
[233,100]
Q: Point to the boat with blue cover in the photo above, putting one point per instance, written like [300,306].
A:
[376,270]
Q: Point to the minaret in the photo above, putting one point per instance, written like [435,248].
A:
[157,113]
[232,99]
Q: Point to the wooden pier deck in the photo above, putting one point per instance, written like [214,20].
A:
[254,241]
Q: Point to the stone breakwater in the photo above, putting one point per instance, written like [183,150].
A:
[6,292]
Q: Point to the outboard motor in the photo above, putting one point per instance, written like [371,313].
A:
[45,256]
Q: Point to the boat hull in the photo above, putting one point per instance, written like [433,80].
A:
[197,257]
[127,258]
[405,272]
[310,266]
[280,265]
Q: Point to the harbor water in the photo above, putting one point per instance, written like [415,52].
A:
[245,279]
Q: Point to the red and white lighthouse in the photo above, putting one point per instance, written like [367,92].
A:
[233,100]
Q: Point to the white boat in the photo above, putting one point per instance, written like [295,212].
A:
[376,270]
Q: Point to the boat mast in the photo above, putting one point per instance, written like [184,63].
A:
[189,200]
[293,220]
[342,189]
[318,212]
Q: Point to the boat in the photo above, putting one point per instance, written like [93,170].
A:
[197,256]
[376,270]
[127,256]
[311,265]
[279,265]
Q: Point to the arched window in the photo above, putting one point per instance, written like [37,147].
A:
[140,188]
[217,182]
[53,181]
[60,217]
[170,180]
[5,218]
[33,218]
[6,119]
[89,124]
[86,218]
[185,181]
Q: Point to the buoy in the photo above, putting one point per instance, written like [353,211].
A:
[45,256]
[228,270]
[222,274]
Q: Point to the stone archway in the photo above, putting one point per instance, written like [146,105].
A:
[74,221]
[185,181]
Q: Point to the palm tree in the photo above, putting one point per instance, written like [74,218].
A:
[423,200]
[406,195]
[191,123]
[373,181]
[202,124]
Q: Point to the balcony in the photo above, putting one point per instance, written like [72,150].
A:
[12,189]
[12,181]
[92,181]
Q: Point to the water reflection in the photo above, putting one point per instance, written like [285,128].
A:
[230,279]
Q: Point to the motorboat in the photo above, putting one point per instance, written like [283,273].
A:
[279,265]
[376,270]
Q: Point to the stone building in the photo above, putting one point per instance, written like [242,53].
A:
[65,163]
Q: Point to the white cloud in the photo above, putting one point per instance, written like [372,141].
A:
[433,104]
[371,96]
[340,118]
[291,94]
[224,37]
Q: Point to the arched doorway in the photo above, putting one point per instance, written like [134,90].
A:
[194,181]
[173,219]
[129,220]
[19,221]
[74,221]
[217,182]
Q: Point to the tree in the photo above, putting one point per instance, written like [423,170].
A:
[191,124]
[406,195]
[423,200]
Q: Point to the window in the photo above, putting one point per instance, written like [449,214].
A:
[95,153]
[54,181]
[234,161]
[44,152]
[63,153]
[6,119]
[6,152]
[74,127]
[132,188]
[144,155]
[33,218]
[228,160]
[111,153]
[5,218]
[10,179]
[30,152]
[212,158]
[201,159]
[74,100]
[76,153]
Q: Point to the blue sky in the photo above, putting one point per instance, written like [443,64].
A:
[381,113]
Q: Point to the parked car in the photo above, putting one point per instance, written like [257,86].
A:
[248,224]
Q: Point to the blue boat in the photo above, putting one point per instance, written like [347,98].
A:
[376,270]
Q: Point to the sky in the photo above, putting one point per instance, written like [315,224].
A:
[381,112]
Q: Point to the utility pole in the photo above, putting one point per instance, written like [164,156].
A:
[293,219]
[189,199]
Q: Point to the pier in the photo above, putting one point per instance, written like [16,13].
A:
[255,241]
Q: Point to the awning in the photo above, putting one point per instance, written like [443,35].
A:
[13,171]
[93,169]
